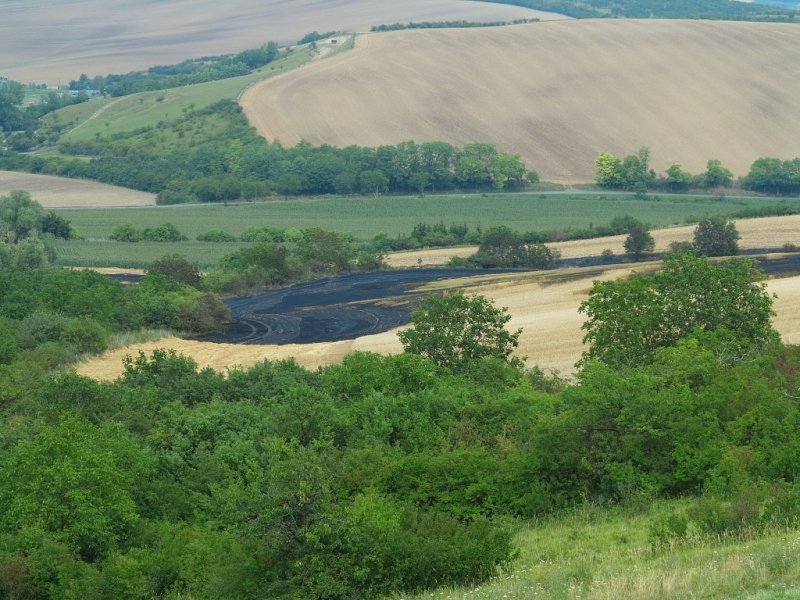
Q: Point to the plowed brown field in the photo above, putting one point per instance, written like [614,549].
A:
[556,92]
[61,192]
[57,40]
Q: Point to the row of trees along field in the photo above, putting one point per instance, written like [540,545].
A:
[675,9]
[633,172]
[188,72]
[383,475]
[228,160]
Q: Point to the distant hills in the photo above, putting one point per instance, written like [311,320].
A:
[57,40]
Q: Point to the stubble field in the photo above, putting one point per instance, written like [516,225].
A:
[765,232]
[61,192]
[555,92]
[57,40]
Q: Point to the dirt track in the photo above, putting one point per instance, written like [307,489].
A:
[557,93]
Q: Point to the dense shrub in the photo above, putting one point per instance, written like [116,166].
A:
[216,235]
[178,268]
[127,232]
[40,327]
[166,232]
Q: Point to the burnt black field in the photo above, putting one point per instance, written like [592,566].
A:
[349,306]
[331,309]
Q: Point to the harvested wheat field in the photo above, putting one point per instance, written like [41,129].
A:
[57,40]
[222,356]
[555,92]
[544,305]
[766,232]
[61,192]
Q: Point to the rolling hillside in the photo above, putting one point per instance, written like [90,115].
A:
[555,92]
[57,40]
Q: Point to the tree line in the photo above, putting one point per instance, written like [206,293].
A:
[675,9]
[448,24]
[229,161]
[188,72]
[633,173]
[19,123]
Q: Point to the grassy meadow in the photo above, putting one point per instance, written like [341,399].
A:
[107,116]
[364,217]
[610,554]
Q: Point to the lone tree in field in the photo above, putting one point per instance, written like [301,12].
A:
[716,236]
[455,330]
[639,240]
[627,321]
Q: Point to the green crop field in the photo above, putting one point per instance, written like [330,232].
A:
[364,217]
[106,116]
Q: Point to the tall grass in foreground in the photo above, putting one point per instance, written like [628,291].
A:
[609,554]
[127,338]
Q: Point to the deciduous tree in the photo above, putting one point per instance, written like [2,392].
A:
[455,330]
[639,240]
[716,236]
[628,320]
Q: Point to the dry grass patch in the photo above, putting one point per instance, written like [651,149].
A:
[556,92]
[57,40]
[61,192]
[765,232]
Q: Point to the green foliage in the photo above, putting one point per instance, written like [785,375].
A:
[322,251]
[85,335]
[40,327]
[773,176]
[69,482]
[315,36]
[166,232]
[608,170]
[189,72]
[8,340]
[455,330]
[216,236]
[445,25]
[677,9]
[127,232]
[20,215]
[639,240]
[179,268]
[716,236]
[201,313]
[677,179]
[716,175]
[502,247]
[627,321]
